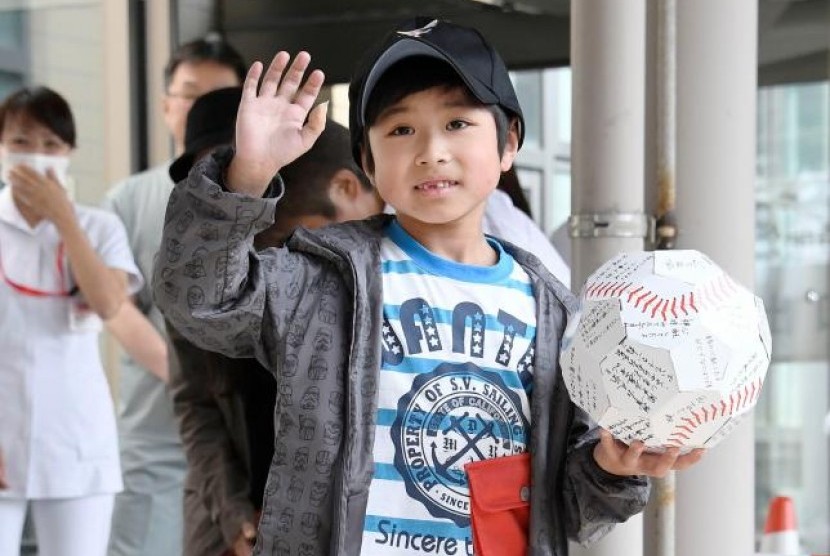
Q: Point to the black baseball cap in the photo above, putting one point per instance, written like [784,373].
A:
[463,48]
[211,122]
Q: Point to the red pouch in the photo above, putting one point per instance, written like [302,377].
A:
[500,505]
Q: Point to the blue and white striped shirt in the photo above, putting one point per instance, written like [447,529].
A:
[454,387]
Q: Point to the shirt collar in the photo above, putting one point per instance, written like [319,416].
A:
[10,215]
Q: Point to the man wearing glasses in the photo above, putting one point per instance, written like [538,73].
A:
[147,520]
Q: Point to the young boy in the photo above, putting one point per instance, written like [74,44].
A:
[413,345]
[225,406]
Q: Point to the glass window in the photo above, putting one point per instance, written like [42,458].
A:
[13,55]
[9,81]
[563,105]
[561,205]
[11,29]
[544,159]
[528,85]
[811,128]
[792,256]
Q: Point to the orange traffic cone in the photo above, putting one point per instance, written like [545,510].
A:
[780,532]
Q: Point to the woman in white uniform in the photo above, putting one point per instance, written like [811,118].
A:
[63,269]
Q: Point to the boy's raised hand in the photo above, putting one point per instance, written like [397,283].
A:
[271,127]
[617,458]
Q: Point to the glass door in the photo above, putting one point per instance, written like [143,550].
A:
[792,256]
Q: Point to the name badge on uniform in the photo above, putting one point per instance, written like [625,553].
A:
[82,318]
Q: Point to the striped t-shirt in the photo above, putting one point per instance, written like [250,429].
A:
[458,346]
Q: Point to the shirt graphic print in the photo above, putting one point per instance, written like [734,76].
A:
[458,344]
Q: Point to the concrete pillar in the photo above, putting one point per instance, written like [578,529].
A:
[716,103]
[608,65]
[159,47]
[116,107]
[118,143]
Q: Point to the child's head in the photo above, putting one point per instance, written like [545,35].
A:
[424,53]
[417,74]
[211,123]
[36,120]
[322,186]
[434,120]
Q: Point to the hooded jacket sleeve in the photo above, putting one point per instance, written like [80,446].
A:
[596,500]
[209,281]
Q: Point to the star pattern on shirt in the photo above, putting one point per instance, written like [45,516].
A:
[477,338]
[477,349]
[431,331]
[388,335]
[390,341]
[526,362]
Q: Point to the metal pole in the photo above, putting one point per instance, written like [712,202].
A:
[716,99]
[666,85]
[660,512]
[158,51]
[608,64]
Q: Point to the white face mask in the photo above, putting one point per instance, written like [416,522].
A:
[38,162]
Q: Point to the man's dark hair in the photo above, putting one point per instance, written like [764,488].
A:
[44,106]
[416,74]
[307,178]
[211,48]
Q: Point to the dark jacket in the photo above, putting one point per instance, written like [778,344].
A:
[225,450]
[312,313]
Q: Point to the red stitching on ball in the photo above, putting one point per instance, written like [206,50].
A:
[649,301]
[633,292]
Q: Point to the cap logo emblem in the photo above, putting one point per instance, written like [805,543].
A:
[422,31]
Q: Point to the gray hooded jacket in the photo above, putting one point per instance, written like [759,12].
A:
[312,313]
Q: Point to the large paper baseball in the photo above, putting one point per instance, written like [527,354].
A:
[666,348]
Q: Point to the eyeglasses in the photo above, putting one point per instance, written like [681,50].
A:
[34,292]
[188,97]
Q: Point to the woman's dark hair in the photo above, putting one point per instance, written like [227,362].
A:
[413,75]
[44,106]
[509,183]
[212,48]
